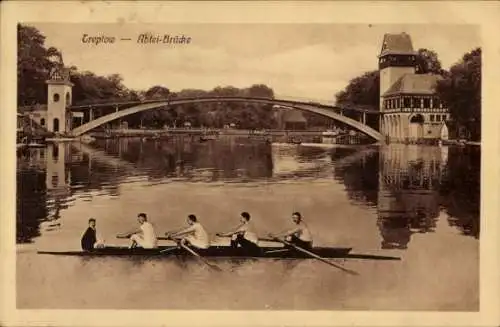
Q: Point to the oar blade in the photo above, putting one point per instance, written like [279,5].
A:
[313,255]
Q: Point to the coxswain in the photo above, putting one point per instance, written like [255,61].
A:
[299,235]
[243,235]
[194,234]
[144,236]
[89,239]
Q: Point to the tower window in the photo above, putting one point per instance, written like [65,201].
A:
[56,97]
[427,103]
[42,121]
[68,98]
[435,102]
[438,118]
[56,125]
[432,117]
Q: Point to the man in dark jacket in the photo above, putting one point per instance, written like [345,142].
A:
[89,238]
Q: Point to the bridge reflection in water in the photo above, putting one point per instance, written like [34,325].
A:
[407,186]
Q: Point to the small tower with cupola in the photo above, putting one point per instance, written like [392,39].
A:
[59,99]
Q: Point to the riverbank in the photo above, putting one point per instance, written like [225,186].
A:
[201,131]
[461,142]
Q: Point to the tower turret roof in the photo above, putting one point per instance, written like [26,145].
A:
[397,44]
[414,84]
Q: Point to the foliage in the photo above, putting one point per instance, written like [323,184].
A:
[243,115]
[89,88]
[157,92]
[428,62]
[363,90]
[461,92]
[34,61]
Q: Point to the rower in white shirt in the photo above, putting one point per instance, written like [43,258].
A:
[243,235]
[144,236]
[194,235]
[299,235]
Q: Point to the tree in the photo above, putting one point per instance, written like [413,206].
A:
[363,90]
[34,63]
[428,62]
[461,92]
[157,92]
[260,91]
[90,88]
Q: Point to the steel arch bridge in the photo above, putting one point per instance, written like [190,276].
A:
[324,110]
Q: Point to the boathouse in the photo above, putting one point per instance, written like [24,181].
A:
[411,110]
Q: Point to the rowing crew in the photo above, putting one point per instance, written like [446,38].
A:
[195,235]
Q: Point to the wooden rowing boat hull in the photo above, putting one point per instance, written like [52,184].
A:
[213,251]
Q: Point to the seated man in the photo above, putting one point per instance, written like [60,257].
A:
[89,239]
[194,235]
[243,235]
[299,235]
[145,236]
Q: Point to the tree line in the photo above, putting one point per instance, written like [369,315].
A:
[459,88]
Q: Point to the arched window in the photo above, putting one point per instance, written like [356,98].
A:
[56,97]
[417,119]
[42,121]
[56,125]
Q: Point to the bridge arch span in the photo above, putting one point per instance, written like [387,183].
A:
[290,104]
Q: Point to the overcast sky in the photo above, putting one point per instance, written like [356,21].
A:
[311,61]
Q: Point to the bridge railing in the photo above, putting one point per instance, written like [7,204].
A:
[290,101]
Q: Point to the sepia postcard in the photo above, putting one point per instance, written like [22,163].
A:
[249,163]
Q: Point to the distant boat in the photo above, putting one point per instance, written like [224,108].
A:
[60,139]
[295,140]
[209,136]
[87,139]
[35,145]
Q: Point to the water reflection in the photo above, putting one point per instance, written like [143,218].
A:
[407,186]
[184,157]
[358,170]
[408,197]
[461,190]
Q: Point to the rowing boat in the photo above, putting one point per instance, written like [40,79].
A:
[213,251]
[222,252]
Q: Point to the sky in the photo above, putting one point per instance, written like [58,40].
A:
[304,61]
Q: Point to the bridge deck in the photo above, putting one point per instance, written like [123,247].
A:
[309,107]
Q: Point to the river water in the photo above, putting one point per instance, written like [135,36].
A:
[420,203]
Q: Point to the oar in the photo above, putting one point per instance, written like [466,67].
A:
[168,249]
[201,258]
[315,256]
[195,254]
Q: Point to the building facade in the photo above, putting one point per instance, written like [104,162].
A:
[410,110]
[55,116]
